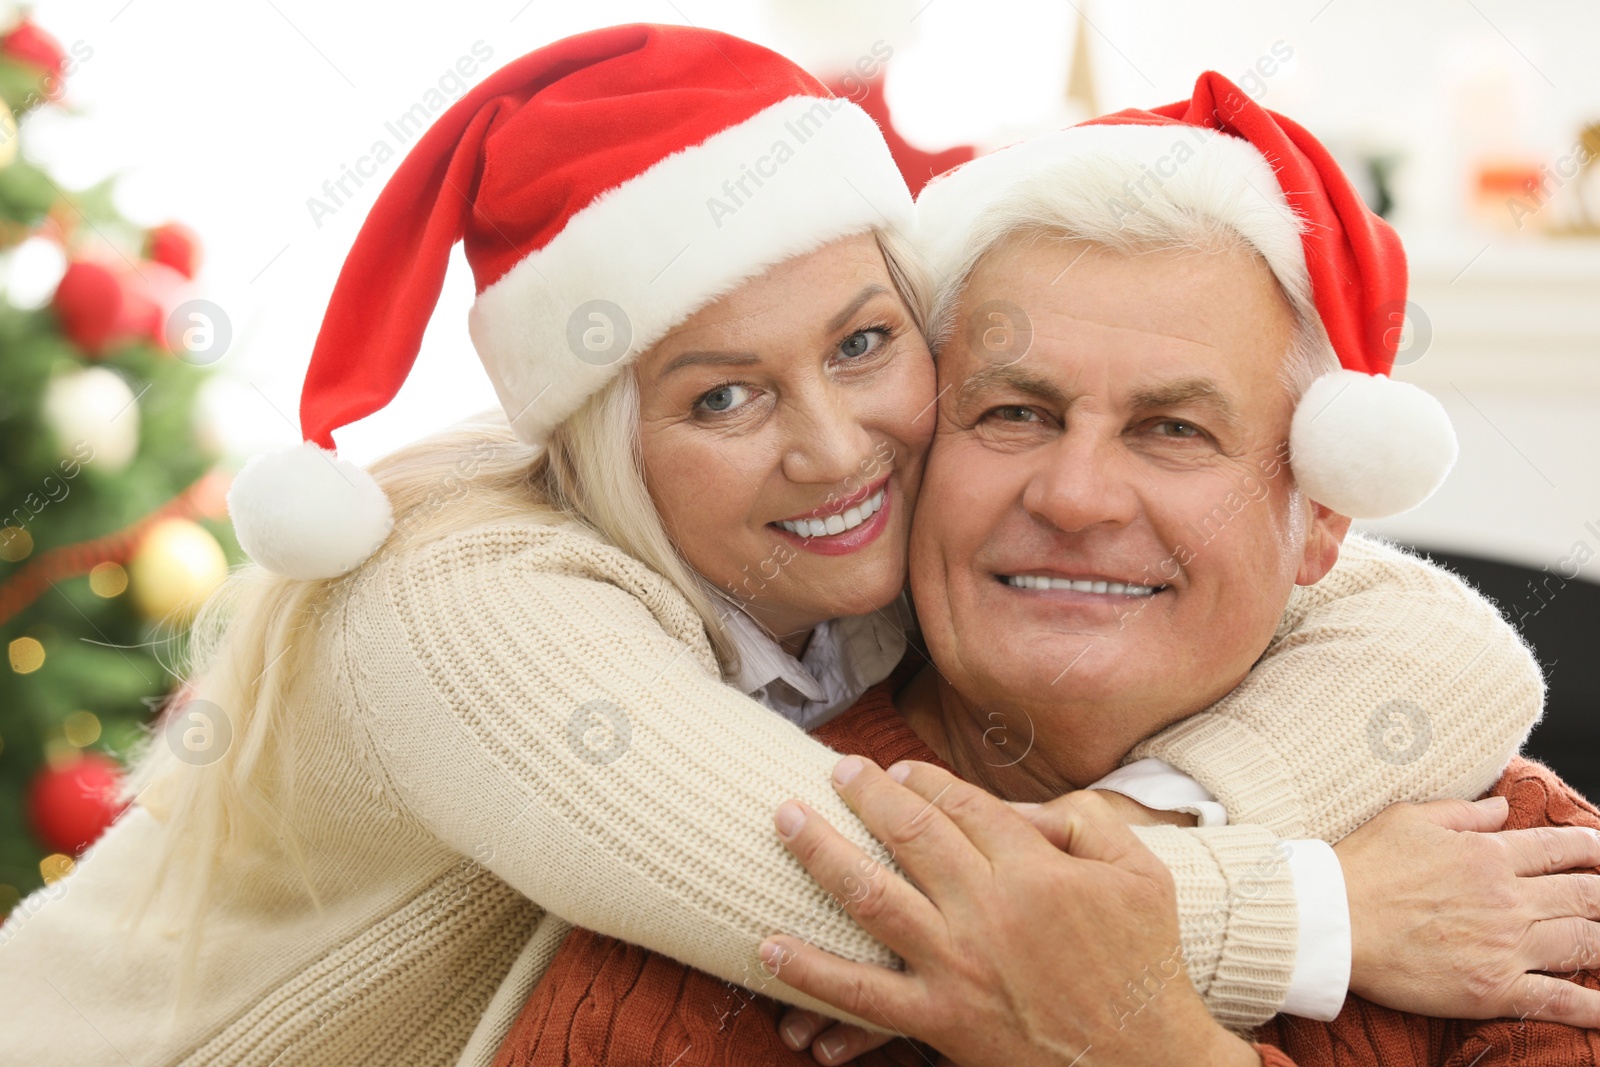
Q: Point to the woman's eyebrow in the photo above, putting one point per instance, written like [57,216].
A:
[838,321]
[710,359]
[745,359]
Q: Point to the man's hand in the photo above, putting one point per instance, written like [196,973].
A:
[1452,923]
[834,1042]
[1028,944]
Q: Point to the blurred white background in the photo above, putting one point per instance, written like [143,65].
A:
[230,117]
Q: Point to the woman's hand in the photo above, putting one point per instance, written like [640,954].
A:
[1452,924]
[1030,943]
[1129,811]
[830,1042]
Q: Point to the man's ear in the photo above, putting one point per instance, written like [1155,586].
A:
[1324,534]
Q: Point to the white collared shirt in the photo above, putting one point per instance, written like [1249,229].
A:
[847,656]
[844,658]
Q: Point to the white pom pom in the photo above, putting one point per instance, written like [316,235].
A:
[1368,446]
[305,513]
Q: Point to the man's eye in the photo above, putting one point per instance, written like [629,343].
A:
[1178,428]
[863,342]
[724,398]
[1014,413]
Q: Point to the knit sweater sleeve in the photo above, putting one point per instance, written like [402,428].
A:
[1389,680]
[542,702]
[1237,916]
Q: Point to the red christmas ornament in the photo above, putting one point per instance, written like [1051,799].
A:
[27,43]
[69,807]
[176,246]
[88,302]
[100,307]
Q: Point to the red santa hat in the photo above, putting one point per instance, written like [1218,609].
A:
[604,187]
[1361,443]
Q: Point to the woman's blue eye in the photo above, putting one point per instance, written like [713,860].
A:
[861,343]
[724,398]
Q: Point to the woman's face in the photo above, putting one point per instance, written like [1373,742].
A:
[783,429]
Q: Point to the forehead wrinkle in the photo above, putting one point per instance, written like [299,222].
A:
[1143,331]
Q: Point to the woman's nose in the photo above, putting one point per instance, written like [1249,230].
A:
[828,441]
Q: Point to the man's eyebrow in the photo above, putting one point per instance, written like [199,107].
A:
[1010,376]
[746,359]
[1202,392]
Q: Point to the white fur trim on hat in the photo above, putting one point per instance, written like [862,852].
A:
[303,512]
[1368,446]
[1106,176]
[646,255]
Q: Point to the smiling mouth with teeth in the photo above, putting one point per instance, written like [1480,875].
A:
[838,523]
[1079,585]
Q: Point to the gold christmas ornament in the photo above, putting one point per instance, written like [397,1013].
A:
[81,728]
[16,544]
[176,567]
[27,655]
[59,753]
[55,867]
[108,580]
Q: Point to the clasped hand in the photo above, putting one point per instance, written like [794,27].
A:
[1026,923]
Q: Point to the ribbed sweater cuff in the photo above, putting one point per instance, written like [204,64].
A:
[1238,765]
[1258,951]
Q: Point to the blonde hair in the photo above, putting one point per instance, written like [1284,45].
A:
[248,644]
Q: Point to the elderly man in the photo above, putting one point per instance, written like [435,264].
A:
[1107,541]
[1156,306]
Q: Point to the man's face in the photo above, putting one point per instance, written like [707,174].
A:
[1140,442]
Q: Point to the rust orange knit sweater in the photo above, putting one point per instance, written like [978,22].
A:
[1365,1033]
[606,1002]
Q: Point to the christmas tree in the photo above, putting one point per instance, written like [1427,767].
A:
[112,515]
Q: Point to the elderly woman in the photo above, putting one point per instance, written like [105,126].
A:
[522,674]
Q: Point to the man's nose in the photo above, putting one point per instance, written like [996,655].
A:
[827,441]
[1084,479]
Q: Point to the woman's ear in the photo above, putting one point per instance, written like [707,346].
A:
[1324,534]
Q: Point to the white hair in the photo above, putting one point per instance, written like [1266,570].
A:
[1085,185]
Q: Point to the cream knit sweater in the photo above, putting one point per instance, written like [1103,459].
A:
[516,723]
